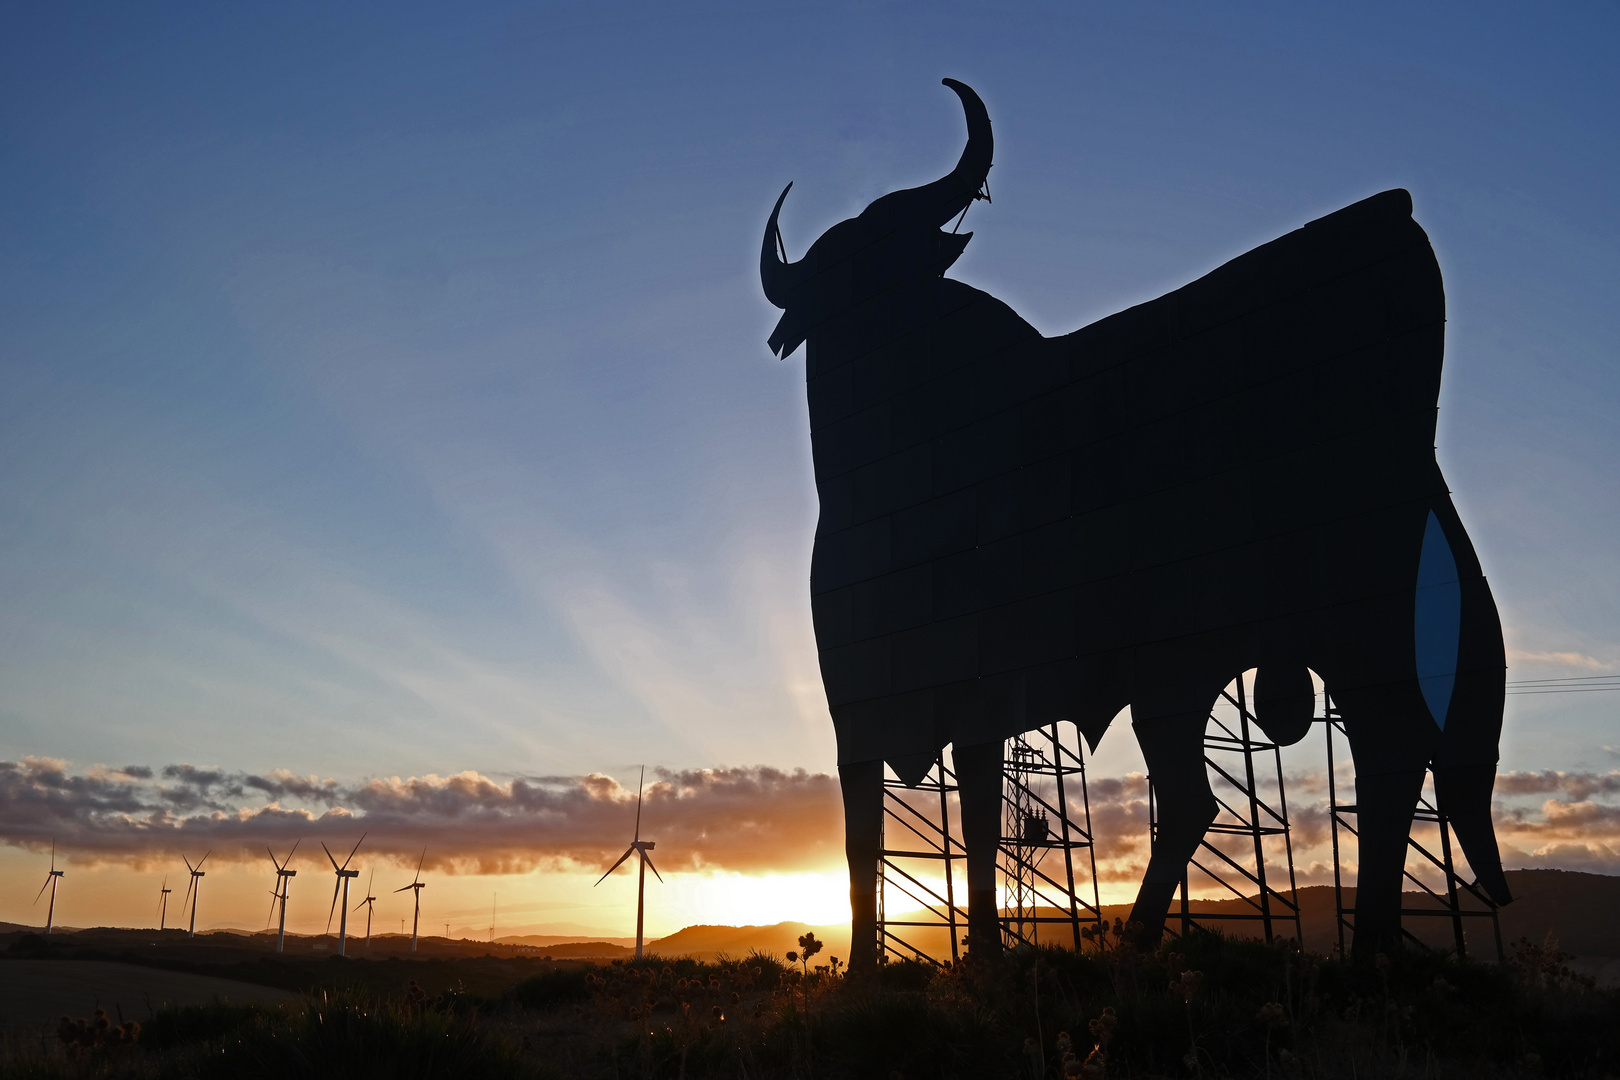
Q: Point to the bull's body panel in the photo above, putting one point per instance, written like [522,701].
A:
[1017,529]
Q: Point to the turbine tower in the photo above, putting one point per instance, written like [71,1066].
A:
[343,876]
[416,886]
[163,902]
[51,880]
[280,891]
[638,847]
[368,903]
[193,888]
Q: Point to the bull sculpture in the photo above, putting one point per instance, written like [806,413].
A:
[1238,475]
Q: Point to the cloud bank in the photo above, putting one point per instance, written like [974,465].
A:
[746,820]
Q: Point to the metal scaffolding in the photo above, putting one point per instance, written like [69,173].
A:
[1448,899]
[1046,861]
[1043,774]
[917,849]
[1238,866]
[1247,852]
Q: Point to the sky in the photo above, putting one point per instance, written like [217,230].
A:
[387,415]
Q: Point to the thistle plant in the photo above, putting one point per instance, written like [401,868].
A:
[1186,987]
[1271,1016]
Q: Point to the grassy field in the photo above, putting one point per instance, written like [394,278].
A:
[37,992]
[1203,1006]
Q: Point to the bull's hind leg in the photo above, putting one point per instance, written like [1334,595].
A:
[979,781]
[1392,736]
[862,782]
[1173,747]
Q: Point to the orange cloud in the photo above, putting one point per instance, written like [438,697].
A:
[749,820]
[745,819]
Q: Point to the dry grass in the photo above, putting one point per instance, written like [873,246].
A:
[1203,1006]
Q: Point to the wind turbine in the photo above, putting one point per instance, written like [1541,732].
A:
[51,880]
[416,886]
[367,903]
[163,902]
[639,847]
[193,889]
[280,891]
[343,876]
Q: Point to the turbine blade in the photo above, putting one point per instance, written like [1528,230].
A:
[187,861]
[653,868]
[356,847]
[272,855]
[43,887]
[184,900]
[204,858]
[329,858]
[402,888]
[274,896]
[333,908]
[294,850]
[639,784]
[627,853]
[419,863]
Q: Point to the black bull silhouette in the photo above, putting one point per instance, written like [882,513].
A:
[1241,474]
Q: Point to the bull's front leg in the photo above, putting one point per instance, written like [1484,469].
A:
[862,784]
[979,782]
[1385,802]
[1173,747]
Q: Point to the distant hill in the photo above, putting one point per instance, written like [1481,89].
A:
[564,949]
[1575,909]
[541,941]
[710,942]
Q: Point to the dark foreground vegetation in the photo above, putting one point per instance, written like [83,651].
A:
[1200,1006]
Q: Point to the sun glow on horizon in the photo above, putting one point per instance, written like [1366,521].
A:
[820,898]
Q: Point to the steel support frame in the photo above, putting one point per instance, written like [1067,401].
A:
[1043,774]
[1253,817]
[917,826]
[1448,904]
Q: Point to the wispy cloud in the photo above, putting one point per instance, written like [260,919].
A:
[1576,785]
[1559,659]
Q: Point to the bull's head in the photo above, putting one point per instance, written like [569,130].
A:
[899,236]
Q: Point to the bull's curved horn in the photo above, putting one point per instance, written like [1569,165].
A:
[778,278]
[948,196]
[973,168]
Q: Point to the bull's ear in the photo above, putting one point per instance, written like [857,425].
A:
[951,246]
[789,333]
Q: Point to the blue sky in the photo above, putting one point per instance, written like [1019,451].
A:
[386,388]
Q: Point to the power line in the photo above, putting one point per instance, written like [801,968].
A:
[1573,684]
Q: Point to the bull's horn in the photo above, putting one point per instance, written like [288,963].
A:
[948,196]
[778,278]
